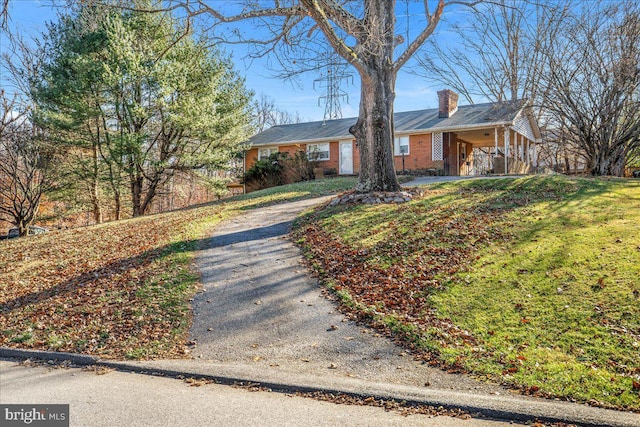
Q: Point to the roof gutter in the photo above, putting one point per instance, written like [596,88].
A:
[456,128]
[460,128]
[306,141]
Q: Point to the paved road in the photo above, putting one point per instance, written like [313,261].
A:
[130,400]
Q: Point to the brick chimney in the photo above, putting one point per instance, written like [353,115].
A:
[447,103]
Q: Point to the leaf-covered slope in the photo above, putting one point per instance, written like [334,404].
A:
[530,282]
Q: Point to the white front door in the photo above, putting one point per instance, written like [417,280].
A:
[346,158]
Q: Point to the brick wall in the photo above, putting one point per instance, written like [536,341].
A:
[450,153]
[356,158]
[332,163]
[334,157]
[419,157]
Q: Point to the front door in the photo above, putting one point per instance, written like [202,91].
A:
[346,158]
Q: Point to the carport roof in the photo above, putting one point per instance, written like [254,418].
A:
[467,117]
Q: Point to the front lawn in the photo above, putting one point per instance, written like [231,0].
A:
[531,282]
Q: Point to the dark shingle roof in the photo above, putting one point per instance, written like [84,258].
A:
[467,116]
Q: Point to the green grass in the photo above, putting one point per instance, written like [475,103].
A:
[558,306]
[531,282]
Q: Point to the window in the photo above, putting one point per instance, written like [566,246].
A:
[264,153]
[318,151]
[400,145]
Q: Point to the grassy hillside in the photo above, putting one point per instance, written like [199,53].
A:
[531,282]
[119,289]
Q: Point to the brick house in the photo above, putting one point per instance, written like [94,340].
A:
[448,140]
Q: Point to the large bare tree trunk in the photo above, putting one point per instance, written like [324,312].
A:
[95,203]
[374,133]
[374,128]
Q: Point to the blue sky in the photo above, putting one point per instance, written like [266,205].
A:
[412,93]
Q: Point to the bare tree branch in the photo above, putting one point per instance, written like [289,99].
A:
[4,14]
[322,18]
[433,20]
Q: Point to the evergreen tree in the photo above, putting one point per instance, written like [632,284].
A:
[141,98]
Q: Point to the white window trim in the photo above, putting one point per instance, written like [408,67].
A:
[271,151]
[328,151]
[396,145]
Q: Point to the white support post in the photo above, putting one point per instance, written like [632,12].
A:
[528,152]
[506,150]
[521,148]
[495,137]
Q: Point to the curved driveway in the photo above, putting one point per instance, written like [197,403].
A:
[261,308]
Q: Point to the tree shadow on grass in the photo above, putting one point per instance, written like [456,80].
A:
[95,277]
[104,274]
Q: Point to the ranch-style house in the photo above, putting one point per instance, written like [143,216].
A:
[497,137]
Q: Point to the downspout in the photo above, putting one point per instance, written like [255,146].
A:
[244,171]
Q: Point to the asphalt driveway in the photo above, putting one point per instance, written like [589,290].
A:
[260,307]
[262,317]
